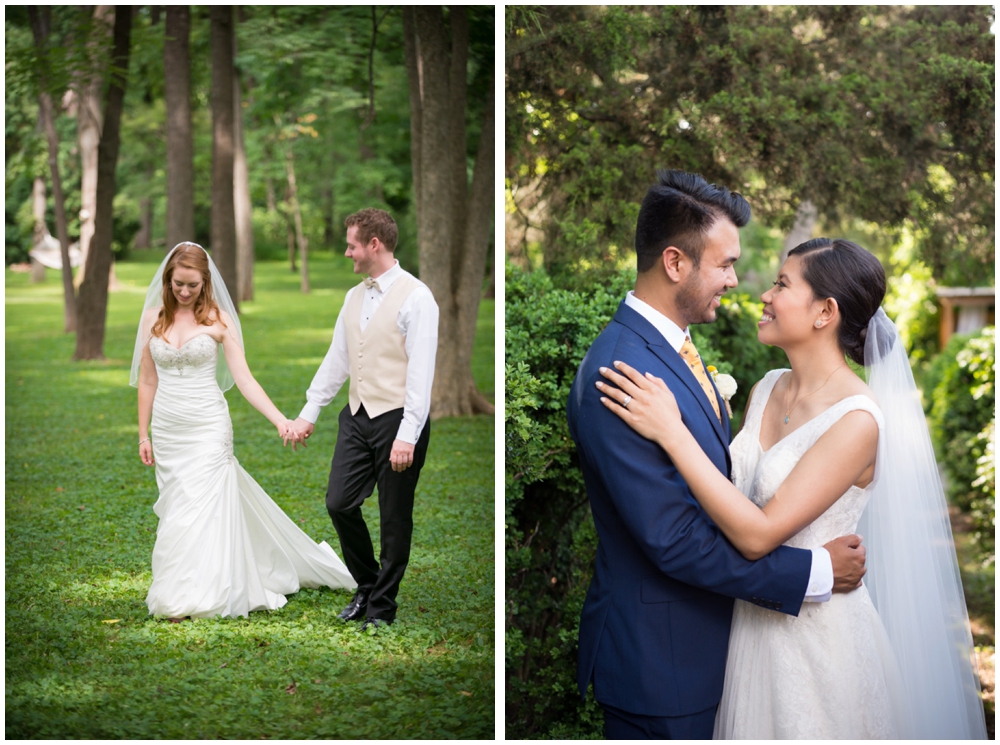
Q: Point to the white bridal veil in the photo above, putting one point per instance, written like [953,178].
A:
[154,300]
[913,576]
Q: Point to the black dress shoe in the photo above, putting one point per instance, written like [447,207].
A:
[375,623]
[357,607]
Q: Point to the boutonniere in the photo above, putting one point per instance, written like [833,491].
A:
[726,385]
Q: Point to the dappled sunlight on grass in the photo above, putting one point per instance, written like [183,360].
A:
[85,660]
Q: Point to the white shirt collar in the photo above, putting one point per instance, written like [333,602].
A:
[386,278]
[673,333]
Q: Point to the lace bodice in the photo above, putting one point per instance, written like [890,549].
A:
[199,350]
[758,473]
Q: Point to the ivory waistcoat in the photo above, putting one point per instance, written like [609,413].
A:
[377,355]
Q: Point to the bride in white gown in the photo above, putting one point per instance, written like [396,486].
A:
[893,658]
[223,547]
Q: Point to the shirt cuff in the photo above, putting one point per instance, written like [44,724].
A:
[408,432]
[310,412]
[820,587]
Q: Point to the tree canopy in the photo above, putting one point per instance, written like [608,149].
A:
[880,113]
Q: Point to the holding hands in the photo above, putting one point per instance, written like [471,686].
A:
[296,432]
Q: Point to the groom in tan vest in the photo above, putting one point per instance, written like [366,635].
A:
[385,341]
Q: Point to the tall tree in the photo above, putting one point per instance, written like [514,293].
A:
[93,300]
[89,121]
[180,150]
[300,235]
[41,27]
[242,206]
[223,229]
[453,218]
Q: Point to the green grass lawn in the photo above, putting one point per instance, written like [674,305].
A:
[83,657]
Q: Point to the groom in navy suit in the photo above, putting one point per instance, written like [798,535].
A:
[655,625]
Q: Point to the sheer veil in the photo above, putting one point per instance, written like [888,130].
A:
[154,301]
[913,576]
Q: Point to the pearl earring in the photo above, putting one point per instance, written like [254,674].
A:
[818,324]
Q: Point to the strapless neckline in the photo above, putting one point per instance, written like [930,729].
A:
[181,347]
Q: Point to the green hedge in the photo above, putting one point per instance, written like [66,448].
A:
[960,383]
[550,536]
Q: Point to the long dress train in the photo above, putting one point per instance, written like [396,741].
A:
[223,547]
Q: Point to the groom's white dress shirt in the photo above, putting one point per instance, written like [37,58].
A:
[417,322]
[820,586]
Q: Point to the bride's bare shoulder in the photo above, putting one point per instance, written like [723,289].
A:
[855,386]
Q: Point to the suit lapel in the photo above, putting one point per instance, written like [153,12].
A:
[672,359]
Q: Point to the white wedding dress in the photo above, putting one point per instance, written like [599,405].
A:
[828,673]
[223,547]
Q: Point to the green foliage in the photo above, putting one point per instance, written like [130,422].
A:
[883,113]
[80,531]
[550,538]
[911,303]
[306,90]
[983,503]
[961,407]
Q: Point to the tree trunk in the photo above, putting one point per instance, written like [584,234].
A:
[144,237]
[89,121]
[94,288]
[223,211]
[806,217]
[300,237]
[272,203]
[180,150]
[242,207]
[472,269]
[40,28]
[38,204]
[328,231]
[290,239]
[452,223]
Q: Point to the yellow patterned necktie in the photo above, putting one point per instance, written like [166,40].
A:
[690,355]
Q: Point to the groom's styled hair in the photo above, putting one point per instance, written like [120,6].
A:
[374,223]
[677,211]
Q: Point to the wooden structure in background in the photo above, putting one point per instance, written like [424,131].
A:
[965,310]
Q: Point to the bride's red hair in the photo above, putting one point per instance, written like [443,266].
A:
[188,256]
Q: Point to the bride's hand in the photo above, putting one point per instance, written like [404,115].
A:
[146,453]
[286,431]
[643,401]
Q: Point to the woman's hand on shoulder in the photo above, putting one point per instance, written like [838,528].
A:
[644,402]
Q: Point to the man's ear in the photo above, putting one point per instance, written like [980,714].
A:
[375,245]
[676,263]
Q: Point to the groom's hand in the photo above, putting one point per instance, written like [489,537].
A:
[300,430]
[848,558]
[401,456]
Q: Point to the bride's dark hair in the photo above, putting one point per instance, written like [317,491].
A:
[844,271]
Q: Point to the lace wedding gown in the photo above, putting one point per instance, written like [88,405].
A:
[830,672]
[223,547]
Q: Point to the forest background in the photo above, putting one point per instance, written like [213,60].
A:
[871,123]
[254,131]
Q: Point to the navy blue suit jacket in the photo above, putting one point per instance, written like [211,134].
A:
[655,624]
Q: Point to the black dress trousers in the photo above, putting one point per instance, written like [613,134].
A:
[360,462]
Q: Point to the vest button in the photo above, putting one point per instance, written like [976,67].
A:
[359,354]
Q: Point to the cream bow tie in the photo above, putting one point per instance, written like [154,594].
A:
[369,283]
